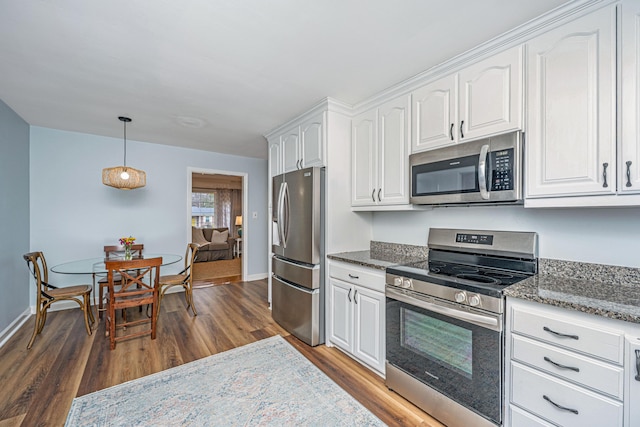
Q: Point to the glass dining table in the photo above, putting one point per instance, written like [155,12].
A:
[97,266]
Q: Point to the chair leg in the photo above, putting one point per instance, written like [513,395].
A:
[100,300]
[188,292]
[87,309]
[36,329]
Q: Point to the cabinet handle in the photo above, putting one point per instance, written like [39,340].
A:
[571,368]
[564,408]
[379,190]
[461,132]
[373,195]
[628,173]
[353,276]
[349,295]
[355,294]
[604,174]
[301,161]
[575,337]
[637,365]
[451,131]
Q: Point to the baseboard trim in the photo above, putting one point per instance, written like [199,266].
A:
[13,327]
[253,277]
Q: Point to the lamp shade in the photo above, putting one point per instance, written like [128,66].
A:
[239,220]
[124,177]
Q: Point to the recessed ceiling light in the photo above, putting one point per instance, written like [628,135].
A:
[191,122]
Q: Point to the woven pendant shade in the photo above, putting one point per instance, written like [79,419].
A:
[124,177]
[113,178]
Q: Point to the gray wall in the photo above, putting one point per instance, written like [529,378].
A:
[14,215]
[73,214]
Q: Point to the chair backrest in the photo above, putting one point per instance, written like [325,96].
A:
[137,276]
[112,251]
[38,267]
[189,257]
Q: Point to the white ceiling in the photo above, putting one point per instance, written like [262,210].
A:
[216,75]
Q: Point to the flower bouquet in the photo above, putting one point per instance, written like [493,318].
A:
[127,242]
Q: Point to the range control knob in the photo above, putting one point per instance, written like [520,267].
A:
[474,300]
[397,281]
[407,284]
[460,296]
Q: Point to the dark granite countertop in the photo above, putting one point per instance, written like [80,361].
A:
[615,301]
[379,260]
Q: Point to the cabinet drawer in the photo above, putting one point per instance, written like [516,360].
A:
[576,335]
[530,388]
[597,375]
[521,418]
[361,276]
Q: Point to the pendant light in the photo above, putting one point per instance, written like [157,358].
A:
[124,177]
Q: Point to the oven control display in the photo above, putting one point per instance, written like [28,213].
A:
[476,239]
[501,170]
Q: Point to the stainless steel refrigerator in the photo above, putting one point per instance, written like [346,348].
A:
[297,283]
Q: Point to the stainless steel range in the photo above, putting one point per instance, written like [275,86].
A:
[444,331]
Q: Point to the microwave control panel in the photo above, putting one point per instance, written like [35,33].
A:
[501,170]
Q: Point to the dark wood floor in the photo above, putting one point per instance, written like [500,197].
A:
[38,385]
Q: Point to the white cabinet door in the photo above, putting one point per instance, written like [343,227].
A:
[368,343]
[629,159]
[275,158]
[571,108]
[312,142]
[290,144]
[393,148]
[341,314]
[435,114]
[491,96]
[363,159]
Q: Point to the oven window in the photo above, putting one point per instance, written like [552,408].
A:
[442,342]
[446,177]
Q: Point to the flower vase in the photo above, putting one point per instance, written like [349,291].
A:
[127,252]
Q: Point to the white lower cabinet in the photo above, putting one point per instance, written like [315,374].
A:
[564,368]
[356,313]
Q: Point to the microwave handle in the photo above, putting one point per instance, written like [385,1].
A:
[482,172]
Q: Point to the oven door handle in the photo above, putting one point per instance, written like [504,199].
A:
[482,172]
[477,319]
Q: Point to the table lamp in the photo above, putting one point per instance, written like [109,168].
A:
[239,225]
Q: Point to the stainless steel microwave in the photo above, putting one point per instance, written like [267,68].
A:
[485,171]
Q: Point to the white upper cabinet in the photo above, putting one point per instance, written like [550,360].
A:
[571,106]
[483,99]
[629,161]
[275,158]
[380,158]
[303,145]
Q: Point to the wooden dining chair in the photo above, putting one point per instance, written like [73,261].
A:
[184,278]
[114,252]
[138,286]
[48,294]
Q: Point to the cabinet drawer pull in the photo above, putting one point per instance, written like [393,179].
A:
[637,365]
[349,295]
[373,195]
[604,174]
[353,276]
[355,296]
[575,411]
[575,337]
[451,131]
[571,368]
[379,190]
[461,132]
[628,184]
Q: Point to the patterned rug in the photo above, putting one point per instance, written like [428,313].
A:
[267,383]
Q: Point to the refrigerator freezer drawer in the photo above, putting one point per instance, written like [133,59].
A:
[303,275]
[298,311]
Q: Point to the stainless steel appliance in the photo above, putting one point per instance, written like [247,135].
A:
[444,330]
[297,283]
[484,171]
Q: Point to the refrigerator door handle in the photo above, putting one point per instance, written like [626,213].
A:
[286,208]
[280,214]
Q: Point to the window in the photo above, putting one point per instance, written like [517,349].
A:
[202,210]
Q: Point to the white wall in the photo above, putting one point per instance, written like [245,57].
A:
[73,214]
[602,235]
[14,216]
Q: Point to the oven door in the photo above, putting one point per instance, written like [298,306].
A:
[456,351]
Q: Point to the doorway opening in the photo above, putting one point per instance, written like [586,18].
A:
[216,209]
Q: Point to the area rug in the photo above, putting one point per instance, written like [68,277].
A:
[217,269]
[267,383]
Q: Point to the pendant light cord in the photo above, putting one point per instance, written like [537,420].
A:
[125,145]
